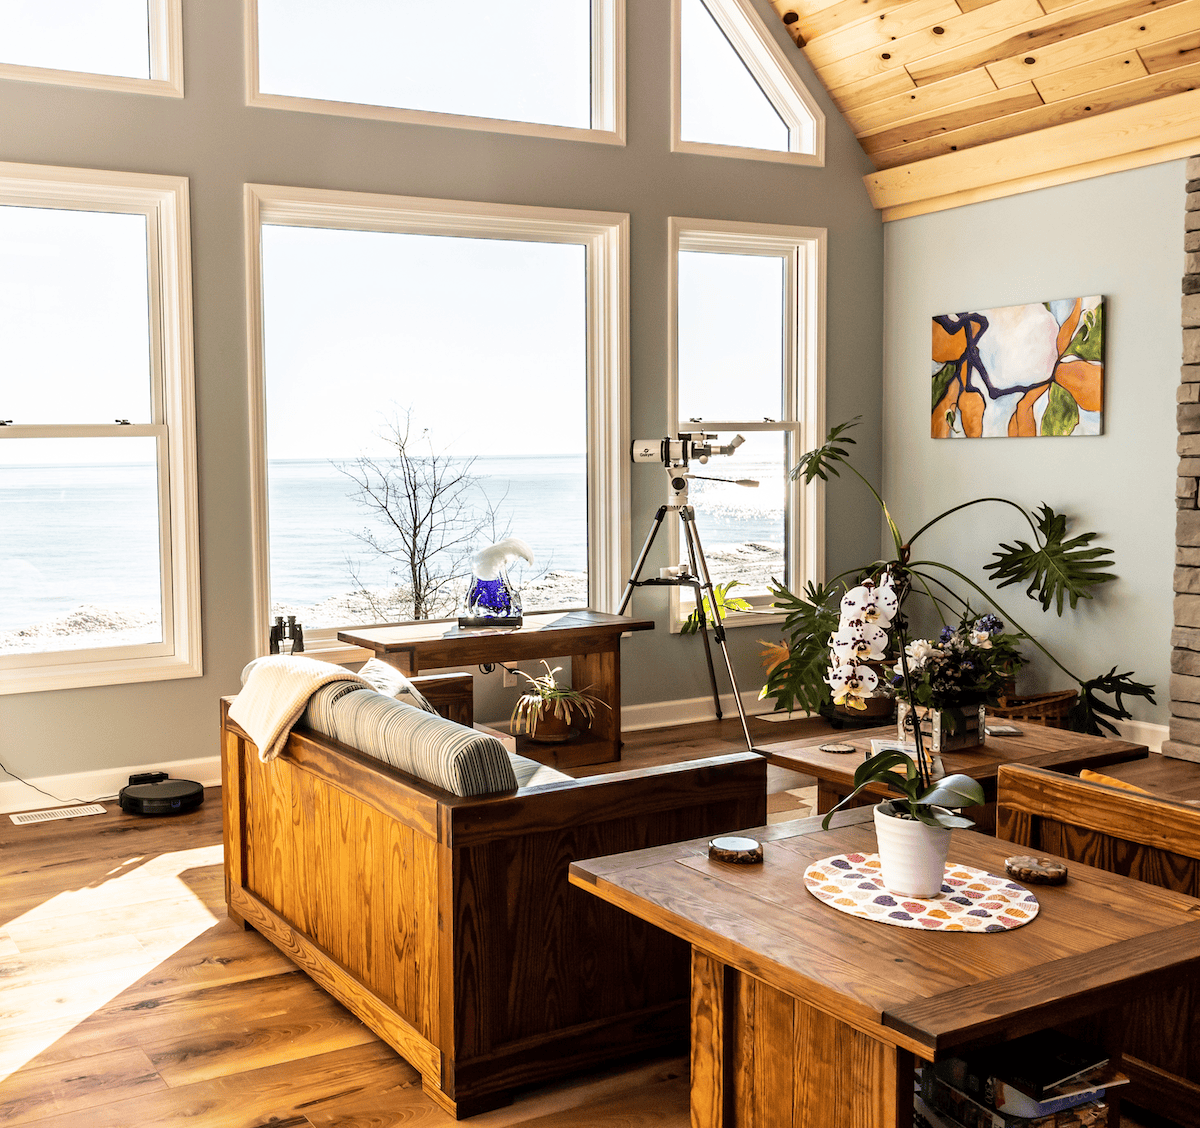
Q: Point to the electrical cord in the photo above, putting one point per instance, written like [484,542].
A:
[49,795]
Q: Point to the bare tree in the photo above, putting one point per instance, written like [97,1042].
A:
[431,509]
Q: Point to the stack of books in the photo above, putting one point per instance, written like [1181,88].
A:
[1045,1080]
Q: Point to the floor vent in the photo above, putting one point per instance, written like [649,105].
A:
[58,813]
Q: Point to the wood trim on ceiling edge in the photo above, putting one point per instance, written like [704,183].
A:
[1132,137]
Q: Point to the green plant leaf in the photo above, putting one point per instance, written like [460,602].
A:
[1055,569]
[800,680]
[945,818]
[954,791]
[1088,342]
[942,379]
[1089,711]
[725,604]
[1061,416]
[822,461]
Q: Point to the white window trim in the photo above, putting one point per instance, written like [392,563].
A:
[608,89]
[606,237]
[772,71]
[166,61]
[804,252]
[164,202]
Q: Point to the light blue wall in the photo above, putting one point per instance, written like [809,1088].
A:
[1120,236]
[220,144]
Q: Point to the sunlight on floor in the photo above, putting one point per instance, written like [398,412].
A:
[124,926]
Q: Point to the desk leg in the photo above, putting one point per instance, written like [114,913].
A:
[763,1058]
[599,672]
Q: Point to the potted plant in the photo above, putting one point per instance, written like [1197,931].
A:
[913,833]
[545,709]
[1054,569]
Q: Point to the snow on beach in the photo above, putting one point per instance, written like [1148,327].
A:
[90,625]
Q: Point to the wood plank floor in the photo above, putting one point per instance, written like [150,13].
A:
[127,998]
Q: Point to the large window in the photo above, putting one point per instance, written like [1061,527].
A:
[131,45]
[550,67]
[748,358]
[99,557]
[432,377]
[734,92]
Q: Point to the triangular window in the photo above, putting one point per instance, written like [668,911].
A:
[736,93]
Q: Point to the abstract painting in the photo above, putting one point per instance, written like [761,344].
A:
[1025,370]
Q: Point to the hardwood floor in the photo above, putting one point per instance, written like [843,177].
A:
[127,998]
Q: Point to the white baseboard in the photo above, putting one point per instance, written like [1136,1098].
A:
[89,787]
[1143,732]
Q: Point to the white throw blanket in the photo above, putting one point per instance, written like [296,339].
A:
[276,694]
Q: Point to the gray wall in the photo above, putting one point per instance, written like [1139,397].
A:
[220,144]
[1118,235]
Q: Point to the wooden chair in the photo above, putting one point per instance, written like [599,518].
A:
[1152,839]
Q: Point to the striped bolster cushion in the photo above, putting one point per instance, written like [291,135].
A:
[441,752]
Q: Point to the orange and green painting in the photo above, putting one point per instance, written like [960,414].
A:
[1019,371]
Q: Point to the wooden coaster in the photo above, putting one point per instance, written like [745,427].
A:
[837,747]
[1037,871]
[739,851]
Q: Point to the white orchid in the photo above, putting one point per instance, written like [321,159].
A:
[851,684]
[858,641]
[870,602]
[982,639]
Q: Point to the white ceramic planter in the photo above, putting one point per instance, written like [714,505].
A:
[912,854]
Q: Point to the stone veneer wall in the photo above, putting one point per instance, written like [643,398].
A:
[1184,740]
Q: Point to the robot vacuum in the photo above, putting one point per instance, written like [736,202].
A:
[166,797]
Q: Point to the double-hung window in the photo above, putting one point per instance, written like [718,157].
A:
[551,68]
[430,377]
[134,46]
[99,557]
[748,357]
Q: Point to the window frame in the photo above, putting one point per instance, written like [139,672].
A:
[166,61]
[607,84]
[163,200]
[774,74]
[606,238]
[803,422]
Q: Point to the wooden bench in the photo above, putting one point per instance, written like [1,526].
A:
[1155,839]
[447,924]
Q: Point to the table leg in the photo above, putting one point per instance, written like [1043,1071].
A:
[765,1058]
[599,673]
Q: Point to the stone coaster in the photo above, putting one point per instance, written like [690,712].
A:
[971,900]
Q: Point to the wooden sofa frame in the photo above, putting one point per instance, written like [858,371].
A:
[1152,839]
[448,925]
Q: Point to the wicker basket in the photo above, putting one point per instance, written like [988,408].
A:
[1049,709]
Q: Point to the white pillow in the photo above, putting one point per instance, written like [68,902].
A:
[391,682]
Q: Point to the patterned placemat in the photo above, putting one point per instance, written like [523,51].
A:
[971,900]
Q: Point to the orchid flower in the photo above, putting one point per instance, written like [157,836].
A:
[851,684]
[870,602]
[858,641]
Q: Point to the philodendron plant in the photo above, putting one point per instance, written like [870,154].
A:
[918,799]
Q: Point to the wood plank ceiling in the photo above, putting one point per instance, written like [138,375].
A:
[918,79]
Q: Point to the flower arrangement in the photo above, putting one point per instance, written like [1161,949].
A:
[965,665]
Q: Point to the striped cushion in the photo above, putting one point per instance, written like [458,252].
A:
[530,773]
[441,752]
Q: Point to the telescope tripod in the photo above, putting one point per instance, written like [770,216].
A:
[699,580]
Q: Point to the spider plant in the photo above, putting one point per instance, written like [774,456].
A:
[545,697]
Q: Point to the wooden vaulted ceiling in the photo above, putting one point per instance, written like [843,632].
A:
[931,80]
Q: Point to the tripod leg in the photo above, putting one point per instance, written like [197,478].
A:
[695,552]
[636,574]
[703,619]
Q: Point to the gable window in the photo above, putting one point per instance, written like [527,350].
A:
[432,377]
[548,67]
[99,562]
[734,92]
[129,45]
[747,357]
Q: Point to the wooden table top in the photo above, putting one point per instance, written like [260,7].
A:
[1037,745]
[1097,941]
[578,629]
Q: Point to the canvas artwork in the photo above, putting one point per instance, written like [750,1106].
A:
[1025,370]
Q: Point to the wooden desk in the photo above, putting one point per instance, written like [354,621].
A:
[803,1016]
[589,638]
[1057,749]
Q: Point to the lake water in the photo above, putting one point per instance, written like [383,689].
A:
[72,535]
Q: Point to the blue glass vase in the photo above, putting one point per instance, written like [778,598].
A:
[491,603]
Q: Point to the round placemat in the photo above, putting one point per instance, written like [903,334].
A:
[971,900]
